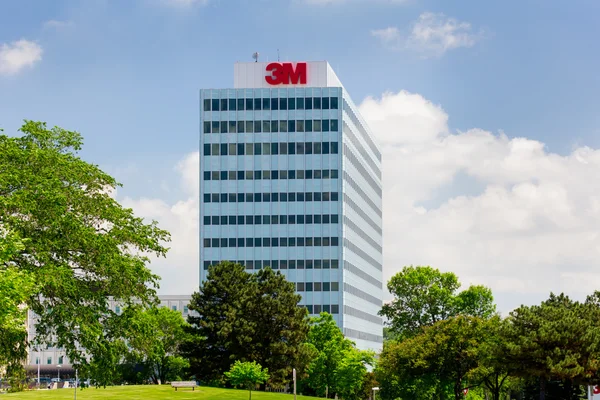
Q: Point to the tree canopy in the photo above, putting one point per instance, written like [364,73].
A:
[155,337]
[248,375]
[246,317]
[424,296]
[337,367]
[80,246]
[557,339]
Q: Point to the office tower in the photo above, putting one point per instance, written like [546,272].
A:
[290,178]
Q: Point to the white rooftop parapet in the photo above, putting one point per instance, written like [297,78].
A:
[253,75]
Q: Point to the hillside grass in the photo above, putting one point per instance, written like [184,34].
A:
[149,392]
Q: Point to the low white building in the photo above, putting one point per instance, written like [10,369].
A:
[47,359]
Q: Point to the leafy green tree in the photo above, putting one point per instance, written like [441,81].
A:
[351,373]
[15,288]
[155,337]
[493,372]
[248,375]
[82,246]
[424,296]
[396,380]
[338,366]
[369,382]
[246,317]
[448,351]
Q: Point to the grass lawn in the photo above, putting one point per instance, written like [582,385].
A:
[149,392]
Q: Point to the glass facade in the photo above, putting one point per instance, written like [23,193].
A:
[291,179]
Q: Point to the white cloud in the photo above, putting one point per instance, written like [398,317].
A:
[18,55]
[431,35]
[531,228]
[526,222]
[56,24]
[179,271]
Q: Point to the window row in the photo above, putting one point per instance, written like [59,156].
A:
[356,163]
[272,242]
[362,214]
[356,334]
[362,151]
[348,266]
[269,197]
[283,264]
[362,315]
[257,149]
[318,309]
[362,194]
[350,112]
[271,219]
[271,103]
[274,126]
[361,294]
[317,286]
[362,254]
[363,235]
[271,174]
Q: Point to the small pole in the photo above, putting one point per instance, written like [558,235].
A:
[75,383]
[294,383]
[39,362]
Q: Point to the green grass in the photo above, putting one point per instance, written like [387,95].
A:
[149,392]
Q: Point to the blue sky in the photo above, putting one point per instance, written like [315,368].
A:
[127,73]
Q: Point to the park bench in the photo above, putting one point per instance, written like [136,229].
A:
[183,384]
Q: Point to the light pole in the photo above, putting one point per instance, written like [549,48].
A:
[294,383]
[75,383]
[374,390]
[58,366]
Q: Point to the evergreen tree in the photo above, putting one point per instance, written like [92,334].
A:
[246,317]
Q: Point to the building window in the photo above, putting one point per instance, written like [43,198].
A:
[118,310]
[174,308]
[37,360]
[185,309]
[49,361]
[333,103]
[60,360]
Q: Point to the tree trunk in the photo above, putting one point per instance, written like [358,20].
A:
[542,388]
[250,394]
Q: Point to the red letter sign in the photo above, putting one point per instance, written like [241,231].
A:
[284,74]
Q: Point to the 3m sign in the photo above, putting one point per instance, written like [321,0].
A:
[286,74]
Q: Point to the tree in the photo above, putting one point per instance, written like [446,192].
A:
[246,317]
[338,366]
[448,351]
[424,296]
[248,375]
[351,373]
[282,327]
[82,246]
[155,337]
[556,340]
[15,288]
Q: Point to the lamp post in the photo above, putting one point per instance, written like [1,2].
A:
[374,390]
[58,367]
[294,371]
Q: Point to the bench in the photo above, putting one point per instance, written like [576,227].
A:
[183,384]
